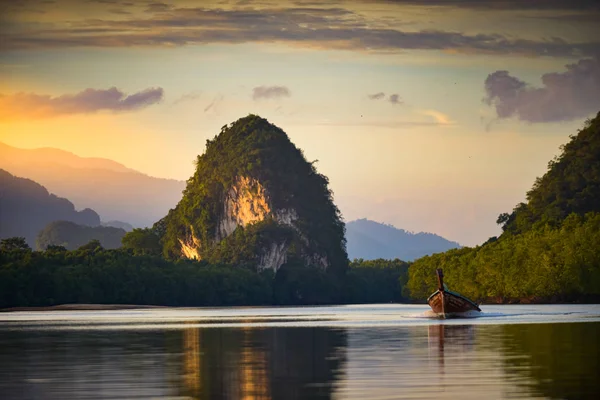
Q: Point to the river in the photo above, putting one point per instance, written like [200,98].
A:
[390,351]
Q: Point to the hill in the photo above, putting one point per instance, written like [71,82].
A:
[254,199]
[72,236]
[113,190]
[119,224]
[571,185]
[26,207]
[548,251]
[371,240]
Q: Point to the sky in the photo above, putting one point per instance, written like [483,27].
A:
[430,115]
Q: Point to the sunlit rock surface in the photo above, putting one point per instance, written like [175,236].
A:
[255,200]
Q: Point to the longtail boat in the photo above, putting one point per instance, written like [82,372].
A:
[447,303]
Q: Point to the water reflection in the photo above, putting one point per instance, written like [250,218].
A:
[455,339]
[561,360]
[437,361]
[89,365]
[249,363]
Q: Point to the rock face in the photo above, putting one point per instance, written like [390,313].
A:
[254,199]
[245,203]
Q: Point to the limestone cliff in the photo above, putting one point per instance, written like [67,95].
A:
[254,199]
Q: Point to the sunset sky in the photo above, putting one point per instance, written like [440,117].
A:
[429,115]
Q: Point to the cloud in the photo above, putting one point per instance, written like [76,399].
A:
[313,27]
[508,5]
[31,105]
[395,99]
[564,96]
[157,7]
[373,123]
[270,92]
[377,96]
[439,117]
[118,11]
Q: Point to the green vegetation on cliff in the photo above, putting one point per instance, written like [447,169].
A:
[571,185]
[549,248]
[254,195]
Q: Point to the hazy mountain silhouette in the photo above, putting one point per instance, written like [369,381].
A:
[72,236]
[118,224]
[113,190]
[26,207]
[370,240]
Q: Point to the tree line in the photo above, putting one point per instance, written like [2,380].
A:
[545,264]
[550,246]
[92,274]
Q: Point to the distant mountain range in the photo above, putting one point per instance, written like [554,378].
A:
[111,189]
[72,236]
[26,207]
[118,193]
[118,224]
[369,240]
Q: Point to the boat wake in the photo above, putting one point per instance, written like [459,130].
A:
[429,314]
[514,317]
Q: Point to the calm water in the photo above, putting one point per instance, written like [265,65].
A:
[345,352]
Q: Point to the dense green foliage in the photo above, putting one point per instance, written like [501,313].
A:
[72,236]
[142,242]
[253,148]
[116,277]
[14,244]
[26,207]
[571,185]
[92,274]
[376,281]
[549,250]
[546,263]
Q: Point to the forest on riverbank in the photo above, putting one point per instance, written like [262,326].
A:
[94,275]
[549,250]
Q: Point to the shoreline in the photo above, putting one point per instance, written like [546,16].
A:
[113,307]
[81,307]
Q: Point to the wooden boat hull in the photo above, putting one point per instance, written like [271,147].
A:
[447,303]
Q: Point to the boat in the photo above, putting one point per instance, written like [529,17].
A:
[448,304]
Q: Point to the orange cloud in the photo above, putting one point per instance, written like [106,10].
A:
[37,106]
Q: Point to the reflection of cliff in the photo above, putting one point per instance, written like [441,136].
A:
[254,379]
[290,363]
[191,361]
[562,360]
[304,361]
